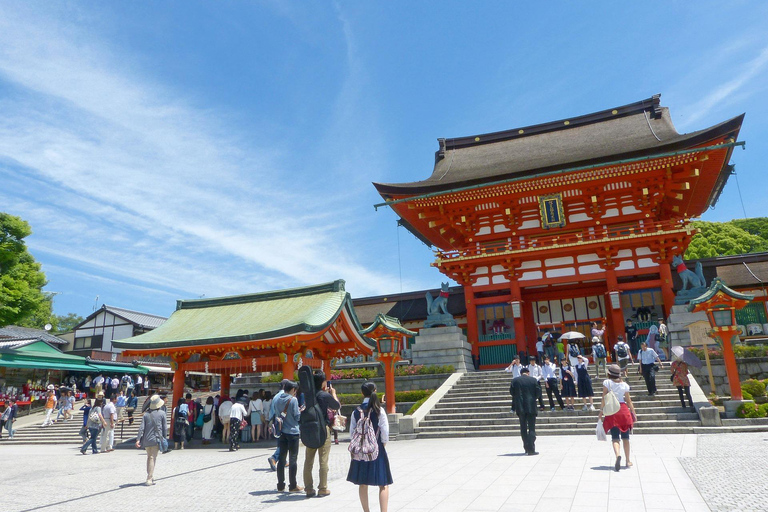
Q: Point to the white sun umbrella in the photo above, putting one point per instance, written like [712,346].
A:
[572,335]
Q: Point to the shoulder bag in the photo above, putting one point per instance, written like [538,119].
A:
[611,405]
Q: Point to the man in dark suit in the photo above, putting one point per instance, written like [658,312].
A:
[525,391]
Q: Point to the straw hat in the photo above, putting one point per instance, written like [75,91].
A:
[156,402]
[614,372]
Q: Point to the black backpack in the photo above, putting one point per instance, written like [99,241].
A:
[313,420]
[621,350]
[573,350]
[600,351]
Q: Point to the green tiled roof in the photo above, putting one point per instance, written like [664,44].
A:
[251,317]
[391,323]
[718,285]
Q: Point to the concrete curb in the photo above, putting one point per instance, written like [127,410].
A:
[409,423]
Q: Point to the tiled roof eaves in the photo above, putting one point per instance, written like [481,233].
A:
[333,286]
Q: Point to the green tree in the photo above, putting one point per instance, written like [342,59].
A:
[22,300]
[755,226]
[723,239]
[65,323]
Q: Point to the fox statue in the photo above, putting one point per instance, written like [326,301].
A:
[690,279]
[440,304]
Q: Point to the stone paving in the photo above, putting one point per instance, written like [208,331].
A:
[736,463]
[572,473]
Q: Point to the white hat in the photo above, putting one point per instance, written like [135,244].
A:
[50,386]
[156,402]
[595,339]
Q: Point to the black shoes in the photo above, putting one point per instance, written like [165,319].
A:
[617,466]
[532,453]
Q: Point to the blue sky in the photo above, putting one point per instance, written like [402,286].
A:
[167,150]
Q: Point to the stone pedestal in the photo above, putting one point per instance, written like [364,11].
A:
[678,322]
[710,416]
[442,346]
[731,406]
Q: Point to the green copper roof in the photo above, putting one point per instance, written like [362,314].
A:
[38,354]
[718,285]
[251,317]
[391,323]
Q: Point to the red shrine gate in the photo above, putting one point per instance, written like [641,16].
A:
[563,223]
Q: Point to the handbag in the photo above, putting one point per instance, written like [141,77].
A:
[611,405]
[600,431]
[339,422]
[672,377]
[243,424]
[276,425]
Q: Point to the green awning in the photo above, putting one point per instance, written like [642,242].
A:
[40,355]
[44,365]
[112,369]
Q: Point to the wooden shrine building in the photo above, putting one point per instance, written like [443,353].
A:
[559,224]
[270,331]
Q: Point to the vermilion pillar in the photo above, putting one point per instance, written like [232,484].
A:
[225,383]
[389,360]
[178,386]
[289,367]
[472,334]
[667,291]
[726,334]
[615,316]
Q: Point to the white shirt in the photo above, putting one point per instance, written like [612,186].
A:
[618,388]
[224,409]
[256,406]
[514,369]
[534,371]
[540,346]
[548,371]
[237,412]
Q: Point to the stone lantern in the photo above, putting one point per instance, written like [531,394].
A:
[720,304]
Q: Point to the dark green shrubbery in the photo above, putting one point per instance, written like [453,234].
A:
[753,387]
[400,396]
[416,406]
[762,411]
[420,369]
[747,410]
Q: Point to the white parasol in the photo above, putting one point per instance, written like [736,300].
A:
[572,335]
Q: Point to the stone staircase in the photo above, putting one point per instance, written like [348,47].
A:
[67,432]
[479,405]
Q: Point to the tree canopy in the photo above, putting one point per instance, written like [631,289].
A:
[22,300]
[740,236]
[65,323]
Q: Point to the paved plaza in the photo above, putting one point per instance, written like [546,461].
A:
[572,473]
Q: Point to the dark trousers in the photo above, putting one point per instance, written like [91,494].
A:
[234,434]
[528,432]
[541,400]
[687,391]
[649,375]
[540,358]
[552,388]
[288,444]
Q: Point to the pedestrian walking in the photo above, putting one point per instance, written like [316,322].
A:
[600,355]
[94,423]
[236,416]
[568,378]
[179,420]
[623,354]
[98,384]
[534,370]
[130,406]
[680,380]
[584,383]
[120,403]
[86,408]
[631,332]
[208,420]
[328,402]
[648,359]
[50,404]
[288,442]
[663,338]
[191,417]
[152,431]
[620,424]
[363,473]
[146,385]
[139,385]
[255,411]
[525,391]
[266,409]
[270,413]
[539,351]
[548,373]
[6,420]
[549,345]
[114,385]
[224,409]
[109,411]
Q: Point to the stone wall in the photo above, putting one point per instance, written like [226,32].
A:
[749,368]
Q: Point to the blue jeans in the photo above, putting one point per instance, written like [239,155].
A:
[163,444]
[94,433]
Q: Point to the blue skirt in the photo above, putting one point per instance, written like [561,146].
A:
[374,472]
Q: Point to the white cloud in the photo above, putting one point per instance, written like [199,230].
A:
[139,183]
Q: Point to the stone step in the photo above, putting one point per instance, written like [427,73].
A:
[553,417]
[500,409]
[480,394]
[565,423]
[473,404]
